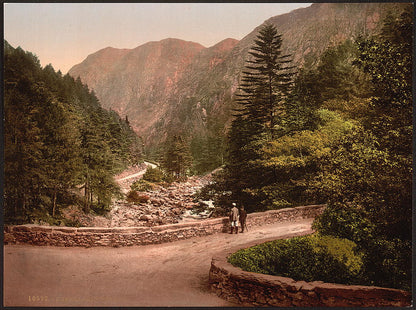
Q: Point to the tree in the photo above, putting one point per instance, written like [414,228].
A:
[57,136]
[176,157]
[22,149]
[264,87]
[367,177]
[60,149]
[387,59]
[266,82]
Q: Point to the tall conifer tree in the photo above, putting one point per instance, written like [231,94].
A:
[266,82]
[264,87]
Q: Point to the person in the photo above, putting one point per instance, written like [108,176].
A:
[243,217]
[234,214]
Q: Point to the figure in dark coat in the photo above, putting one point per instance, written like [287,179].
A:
[243,217]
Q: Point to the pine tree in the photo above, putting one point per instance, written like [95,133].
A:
[264,87]
[177,157]
[57,136]
[60,148]
[266,82]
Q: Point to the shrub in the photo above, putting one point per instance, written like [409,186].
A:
[311,258]
[345,221]
[100,208]
[388,263]
[142,186]
[154,175]
[135,197]
[343,250]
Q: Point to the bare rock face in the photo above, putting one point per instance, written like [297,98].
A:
[138,82]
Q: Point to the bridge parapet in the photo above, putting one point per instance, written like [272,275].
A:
[128,236]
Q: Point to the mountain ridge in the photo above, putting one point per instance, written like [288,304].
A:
[191,91]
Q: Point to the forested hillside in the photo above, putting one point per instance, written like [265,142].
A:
[58,141]
[338,133]
[177,88]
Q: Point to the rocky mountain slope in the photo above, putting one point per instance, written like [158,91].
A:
[173,86]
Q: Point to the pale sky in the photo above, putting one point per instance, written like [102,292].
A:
[64,34]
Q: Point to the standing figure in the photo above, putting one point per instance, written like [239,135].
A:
[243,216]
[234,219]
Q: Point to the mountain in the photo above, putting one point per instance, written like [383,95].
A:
[138,82]
[173,86]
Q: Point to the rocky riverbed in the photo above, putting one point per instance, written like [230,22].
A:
[166,205]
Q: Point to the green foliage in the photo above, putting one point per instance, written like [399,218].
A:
[369,194]
[263,88]
[374,180]
[266,82]
[142,186]
[367,177]
[344,221]
[311,258]
[344,138]
[136,197]
[177,158]
[388,61]
[288,163]
[154,175]
[388,263]
[208,150]
[57,137]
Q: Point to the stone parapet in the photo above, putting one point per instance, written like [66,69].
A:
[128,236]
[249,288]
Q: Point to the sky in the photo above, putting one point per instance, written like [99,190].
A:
[64,34]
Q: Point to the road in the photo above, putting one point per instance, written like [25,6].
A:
[170,274]
[138,174]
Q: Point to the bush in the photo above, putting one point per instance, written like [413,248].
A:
[311,258]
[386,262]
[135,197]
[345,221]
[154,175]
[100,208]
[142,186]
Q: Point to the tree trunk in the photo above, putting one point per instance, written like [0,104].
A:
[91,197]
[23,203]
[86,196]
[54,201]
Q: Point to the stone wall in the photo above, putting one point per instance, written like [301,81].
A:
[248,288]
[128,236]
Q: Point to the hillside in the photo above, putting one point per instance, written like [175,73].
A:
[173,86]
[58,141]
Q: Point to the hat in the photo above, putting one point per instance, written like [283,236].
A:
[234,204]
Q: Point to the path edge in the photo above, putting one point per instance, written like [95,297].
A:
[129,236]
[248,288]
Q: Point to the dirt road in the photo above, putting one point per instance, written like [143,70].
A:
[170,274]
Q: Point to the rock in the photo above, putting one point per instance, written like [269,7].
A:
[145,218]
[167,204]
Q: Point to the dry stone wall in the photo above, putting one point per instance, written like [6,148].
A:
[128,236]
[248,288]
